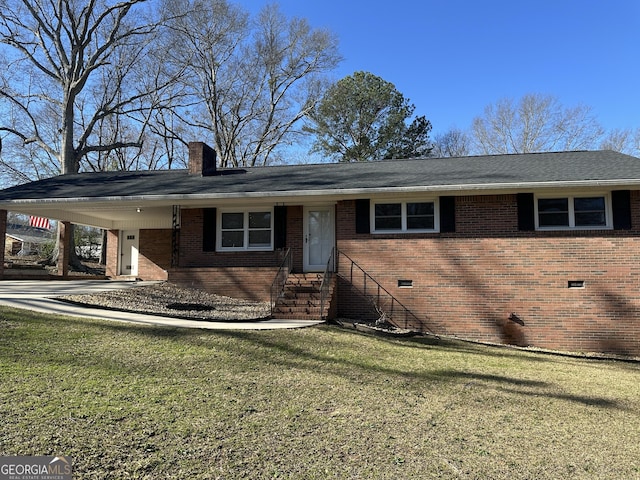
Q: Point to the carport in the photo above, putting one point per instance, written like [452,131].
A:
[95,200]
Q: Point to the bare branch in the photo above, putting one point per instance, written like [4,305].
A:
[251,79]
[70,44]
[536,123]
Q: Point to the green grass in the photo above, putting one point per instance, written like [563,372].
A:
[130,401]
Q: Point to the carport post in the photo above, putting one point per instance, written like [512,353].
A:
[3,232]
[64,254]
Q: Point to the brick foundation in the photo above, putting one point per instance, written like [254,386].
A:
[251,283]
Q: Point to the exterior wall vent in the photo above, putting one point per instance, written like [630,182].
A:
[405,283]
[576,284]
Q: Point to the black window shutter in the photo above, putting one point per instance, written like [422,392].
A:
[526,212]
[621,203]
[280,227]
[363,221]
[447,214]
[208,229]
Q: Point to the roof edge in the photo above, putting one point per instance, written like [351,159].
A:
[459,188]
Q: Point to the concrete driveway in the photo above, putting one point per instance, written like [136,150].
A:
[37,296]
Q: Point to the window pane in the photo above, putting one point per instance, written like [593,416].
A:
[420,223]
[548,205]
[589,212]
[260,238]
[389,223]
[553,212]
[554,220]
[388,209]
[420,209]
[231,238]
[590,219]
[589,204]
[259,219]
[232,221]
[420,216]
[388,216]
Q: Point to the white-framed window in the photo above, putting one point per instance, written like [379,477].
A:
[411,216]
[250,229]
[580,212]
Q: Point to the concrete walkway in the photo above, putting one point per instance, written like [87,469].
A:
[37,296]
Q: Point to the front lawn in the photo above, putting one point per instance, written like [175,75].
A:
[128,401]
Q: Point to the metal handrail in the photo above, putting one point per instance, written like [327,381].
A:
[280,280]
[326,282]
[397,310]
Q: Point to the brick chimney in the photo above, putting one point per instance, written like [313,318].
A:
[202,159]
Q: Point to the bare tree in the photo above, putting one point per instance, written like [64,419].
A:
[252,81]
[622,140]
[69,71]
[453,143]
[536,123]
[69,68]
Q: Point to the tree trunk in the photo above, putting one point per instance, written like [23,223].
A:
[68,164]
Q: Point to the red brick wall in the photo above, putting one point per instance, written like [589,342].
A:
[252,283]
[111,269]
[294,236]
[470,282]
[154,257]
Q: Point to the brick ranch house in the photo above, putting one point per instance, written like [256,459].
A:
[531,249]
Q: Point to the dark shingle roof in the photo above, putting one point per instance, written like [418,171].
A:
[499,171]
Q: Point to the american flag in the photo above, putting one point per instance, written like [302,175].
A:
[39,222]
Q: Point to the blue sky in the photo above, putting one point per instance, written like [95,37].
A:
[451,58]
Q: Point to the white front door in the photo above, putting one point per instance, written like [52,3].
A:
[129,252]
[319,237]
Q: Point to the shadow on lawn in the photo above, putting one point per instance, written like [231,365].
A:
[461,346]
[306,358]
[329,354]
[474,379]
